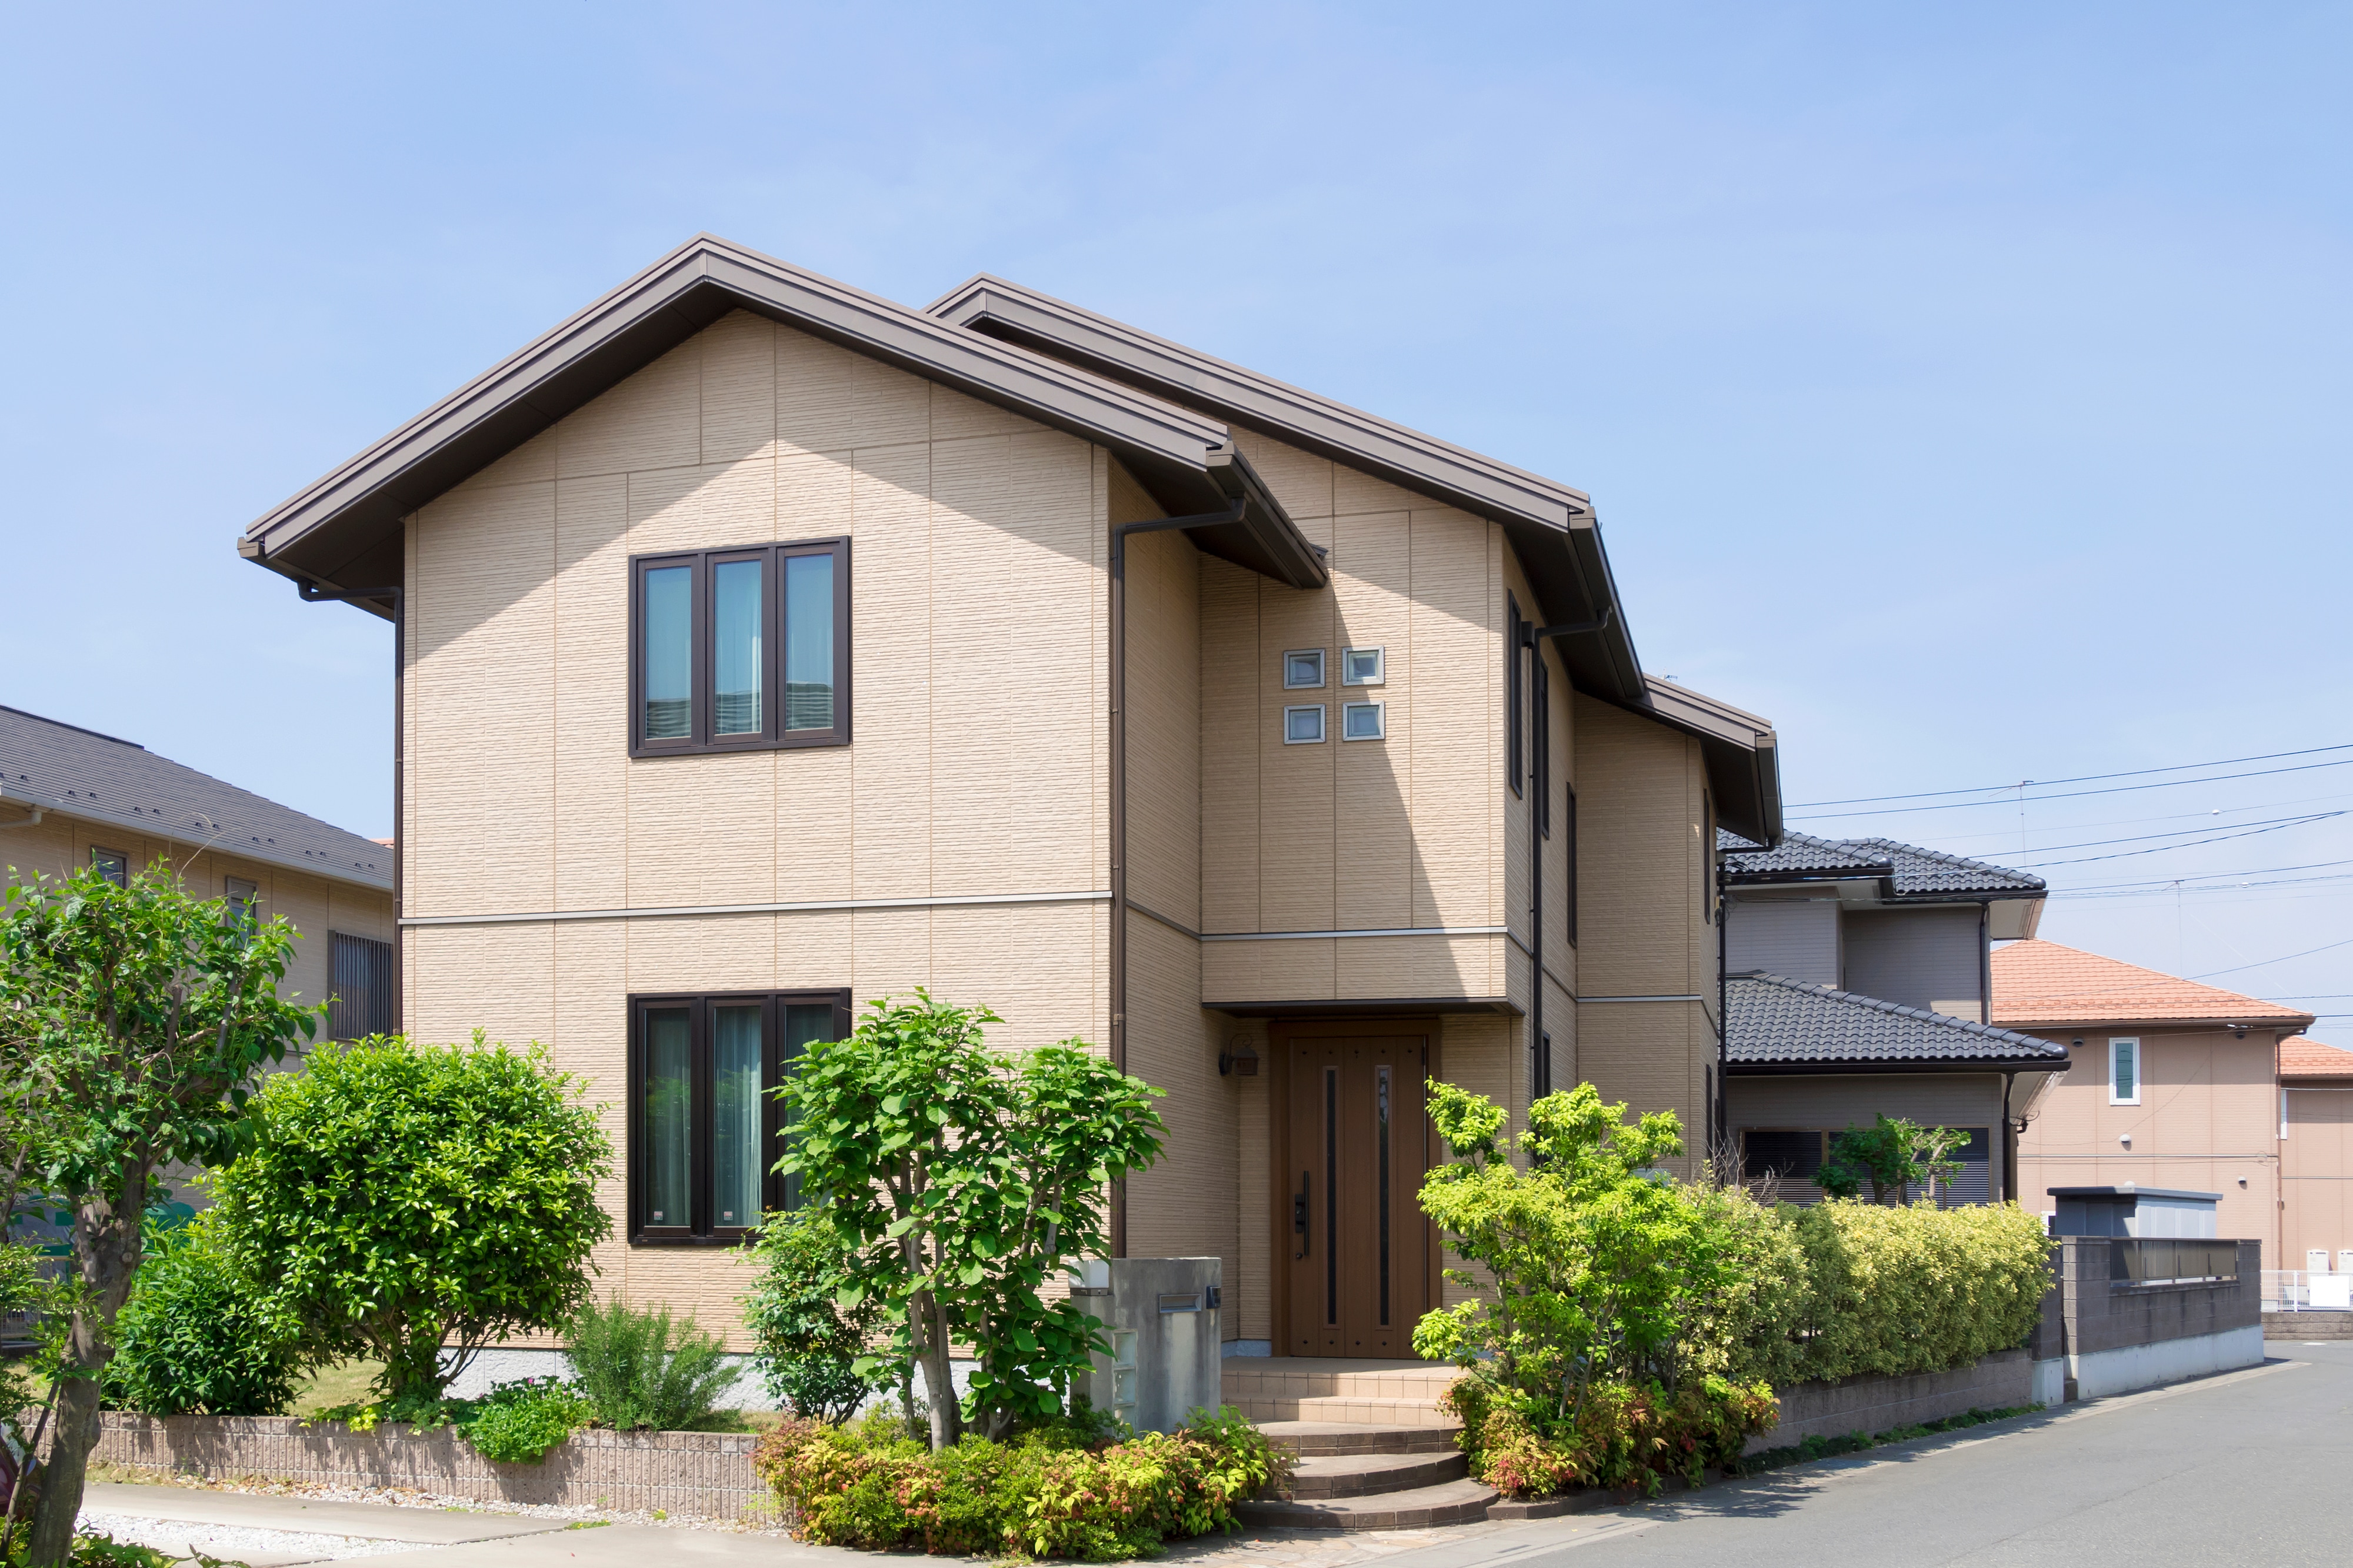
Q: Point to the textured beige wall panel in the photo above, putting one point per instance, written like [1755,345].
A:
[816,496]
[1034,963]
[1480,1052]
[591,693]
[814,402]
[888,407]
[739,389]
[816,813]
[1251,1293]
[1639,795]
[1296,821]
[1652,1055]
[1296,970]
[701,953]
[652,420]
[590,1037]
[891,748]
[1457,787]
[1373,831]
[480,682]
[499,979]
[1233,737]
[1164,726]
[1300,480]
[533,462]
[1185,1206]
[1412,966]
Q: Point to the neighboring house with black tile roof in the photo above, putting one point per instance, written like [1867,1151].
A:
[71,797]
[1857,983]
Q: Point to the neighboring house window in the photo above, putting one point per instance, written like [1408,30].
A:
[111,864]
[1303,726]
[362,981]
[1568,826]
[1303,669]
[241,896]
[739,650]
[705,1127]
[2123,1072]
[1515,756]
[1790,1154]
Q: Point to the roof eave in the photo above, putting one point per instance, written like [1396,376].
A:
[1740,749]
[2294,1021]
[170,833]
[1852,1068]
[334,531]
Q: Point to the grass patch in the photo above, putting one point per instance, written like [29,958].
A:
[1819,1447]
[345,1382]
[588,1524]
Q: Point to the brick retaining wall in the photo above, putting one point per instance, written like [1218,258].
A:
[704,1474]
[1870,1403]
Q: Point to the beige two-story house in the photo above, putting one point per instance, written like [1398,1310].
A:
[764,646]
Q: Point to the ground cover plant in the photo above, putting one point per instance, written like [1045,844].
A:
[411,1203]
[1820,1447]
[957,1181]
[1076,1486]
[133,1020]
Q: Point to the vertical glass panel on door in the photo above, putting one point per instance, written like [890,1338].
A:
[736,1145]
[809,642]
[669,654]
[669,1114]
[736,622]
[805,1023]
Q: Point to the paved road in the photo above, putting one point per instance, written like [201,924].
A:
[2253,1468]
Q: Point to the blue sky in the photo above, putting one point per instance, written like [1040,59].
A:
[1964,390]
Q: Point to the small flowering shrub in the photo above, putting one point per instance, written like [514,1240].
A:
[1621,1436]
[1065,1487]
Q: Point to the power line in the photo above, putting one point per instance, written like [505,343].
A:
[2086,778]
[2213,876]
[2079,794]
[2262,963]
[2163,848]
[2183,832]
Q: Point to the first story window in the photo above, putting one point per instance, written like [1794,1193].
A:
[361,979]
[706,1128]
[2123,1071]
[240,895]
[739,650]
[114,865]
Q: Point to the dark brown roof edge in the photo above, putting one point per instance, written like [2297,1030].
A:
[333,530]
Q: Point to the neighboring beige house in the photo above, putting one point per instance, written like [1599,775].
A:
[1857,985]
[2316,1156]
[766,647]
[71,797]
[2173,1084]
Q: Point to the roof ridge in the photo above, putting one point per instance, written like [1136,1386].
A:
[1946,856]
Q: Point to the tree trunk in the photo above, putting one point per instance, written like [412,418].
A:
[107,1246]
[939,1377]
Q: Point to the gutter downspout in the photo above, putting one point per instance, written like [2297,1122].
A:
[1118,960]
[33,821]
[308,589]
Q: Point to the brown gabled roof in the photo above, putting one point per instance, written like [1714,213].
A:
[2301,1057]
[2043,985]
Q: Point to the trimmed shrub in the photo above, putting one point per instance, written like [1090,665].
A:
[638,1370]
[1058,1490]
[1919,1288]
[197,1337]
[809,1345]
[517,1423]
[400,1199]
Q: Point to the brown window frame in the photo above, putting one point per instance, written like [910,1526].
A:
[772,736]
[700,1230]
[1515,745]
[1568,882]
[122,856]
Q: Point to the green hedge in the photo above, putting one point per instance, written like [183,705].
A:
[1900,1291]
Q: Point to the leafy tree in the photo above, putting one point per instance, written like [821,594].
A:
[400,1198]
[958,1179]
[132,1021]
[1893,1155]
[810,1345]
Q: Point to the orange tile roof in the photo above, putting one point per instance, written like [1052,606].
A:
[2042,983]
[2302,1058]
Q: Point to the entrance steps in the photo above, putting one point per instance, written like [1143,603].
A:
[1333,1389]
[1375,1451]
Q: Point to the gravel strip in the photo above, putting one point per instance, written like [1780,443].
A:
[232,1541]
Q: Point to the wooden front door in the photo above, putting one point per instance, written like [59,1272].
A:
[1359,1272]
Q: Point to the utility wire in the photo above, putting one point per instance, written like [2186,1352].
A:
[2184,832]
[2262,963]
[2085,778]
[2160,849]
[2078,793]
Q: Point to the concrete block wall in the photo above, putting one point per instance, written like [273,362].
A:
[2102,1314]
[1872,1403]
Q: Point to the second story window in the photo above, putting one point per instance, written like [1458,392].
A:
[240,896]
[111,864]
[739,650]
[2123,1072]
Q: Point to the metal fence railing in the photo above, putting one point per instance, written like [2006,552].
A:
[2172,1260]
[2307,1291]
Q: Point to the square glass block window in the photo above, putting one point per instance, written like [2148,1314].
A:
[1303,669]
[1363,667]
[1303,726]
[1364,720]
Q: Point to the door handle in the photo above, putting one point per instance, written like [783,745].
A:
[1299,1220]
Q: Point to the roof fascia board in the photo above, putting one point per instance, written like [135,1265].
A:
[1741,752]
[2091,1025]
[1166,446]
[1364,440]
[1982,1066]
[157,827]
